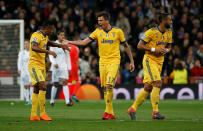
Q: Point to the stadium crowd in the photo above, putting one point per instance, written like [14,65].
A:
[134,17]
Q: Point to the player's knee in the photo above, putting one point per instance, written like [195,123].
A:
[42,86]
[109,87]
[157,84]
[148,87]
[56,84]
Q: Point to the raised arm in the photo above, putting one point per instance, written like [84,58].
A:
[53,44]
[79,42]
[129,53]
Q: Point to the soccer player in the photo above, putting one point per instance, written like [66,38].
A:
[23,58]
[36,66]
[73,80]
[109,39]
[60,66]
[156,42]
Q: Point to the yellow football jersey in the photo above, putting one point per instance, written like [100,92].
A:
[109,44]
[157,39]
[38,59]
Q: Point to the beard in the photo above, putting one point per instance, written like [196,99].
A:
[167,26]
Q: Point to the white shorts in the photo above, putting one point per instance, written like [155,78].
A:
[59,74]
[25,78]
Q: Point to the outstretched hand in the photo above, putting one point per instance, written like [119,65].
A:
[65,46]
[132,67]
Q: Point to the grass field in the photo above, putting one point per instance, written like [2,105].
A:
[182,115]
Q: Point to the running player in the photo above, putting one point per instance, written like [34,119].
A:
[156,42]
[36,66]
[60,66]
[109,39]
[23,58]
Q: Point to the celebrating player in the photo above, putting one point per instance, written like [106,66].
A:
[23,58]
[60,66]
[38,44]
[156,42]
[109,39]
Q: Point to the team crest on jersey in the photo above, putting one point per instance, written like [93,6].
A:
[114,34]
[101,33]
[34,39]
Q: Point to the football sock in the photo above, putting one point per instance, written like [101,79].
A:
[66,93]
[140,98]
[155,98]
[35,103]
[31,92]
[42,101]
[26,94]
[53,94]
[105,92]
[109,101]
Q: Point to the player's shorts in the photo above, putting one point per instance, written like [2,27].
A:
[152,70]
[25,78]
[108,74]
[59,74]
[37,74]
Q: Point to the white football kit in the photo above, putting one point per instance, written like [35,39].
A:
[23,58]
[63,61]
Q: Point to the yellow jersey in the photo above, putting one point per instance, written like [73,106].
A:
[109,44]
[154,38]
[38,59]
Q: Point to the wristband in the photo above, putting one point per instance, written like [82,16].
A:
[153,49]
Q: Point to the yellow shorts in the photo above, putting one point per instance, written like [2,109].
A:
[152,70]
[37,74]
[108,74]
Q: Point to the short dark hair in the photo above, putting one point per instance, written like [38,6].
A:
[47,24]
[60,31]
[105,14]
[163,16]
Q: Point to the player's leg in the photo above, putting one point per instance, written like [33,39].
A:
[35,100]
[112,73]
[42,95]
[102,71]
[66,92]
[141,97]
[26,94]
[53,92]
[75,85]
[155,99]
[31,92]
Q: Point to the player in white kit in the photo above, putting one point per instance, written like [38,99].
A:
[23,58]
[60,66]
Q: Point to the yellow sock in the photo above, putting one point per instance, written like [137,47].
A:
[140,98]
[105,92]
[109,101]
[42,101]
[155,98]
[35,103]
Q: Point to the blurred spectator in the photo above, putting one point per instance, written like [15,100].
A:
[179,74]
[123,23]
[197,69]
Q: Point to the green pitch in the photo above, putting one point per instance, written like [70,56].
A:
[182,115]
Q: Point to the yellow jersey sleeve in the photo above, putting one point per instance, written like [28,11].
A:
[35,38]
[122,37]
[147,36]
[170,38]
[93,35]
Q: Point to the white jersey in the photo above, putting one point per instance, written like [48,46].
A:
[62,59]
[23,59]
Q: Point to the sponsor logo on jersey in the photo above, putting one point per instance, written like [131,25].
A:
[161,43]
[107,41]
